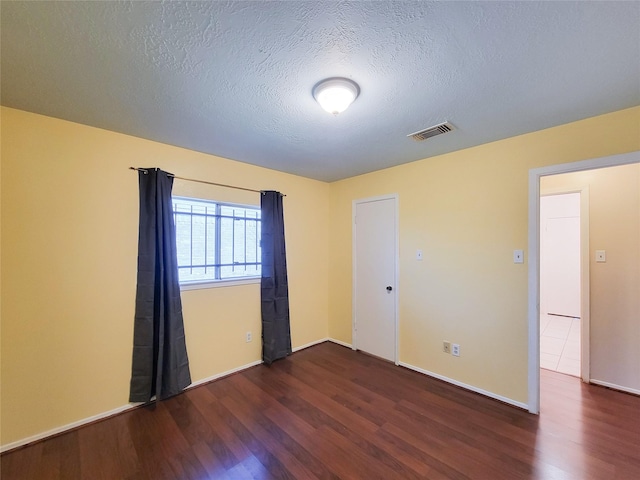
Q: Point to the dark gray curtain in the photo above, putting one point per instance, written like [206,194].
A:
[274,290]
[160,364]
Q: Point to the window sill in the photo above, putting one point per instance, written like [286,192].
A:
[232,282]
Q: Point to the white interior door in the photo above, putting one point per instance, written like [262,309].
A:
[560,254]
[375,296]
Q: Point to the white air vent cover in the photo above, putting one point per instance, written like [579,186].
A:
[431,131]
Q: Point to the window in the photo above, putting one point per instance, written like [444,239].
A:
[216,241]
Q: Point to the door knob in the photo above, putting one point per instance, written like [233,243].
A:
[389,288]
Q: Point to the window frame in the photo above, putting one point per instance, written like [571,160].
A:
[217,282]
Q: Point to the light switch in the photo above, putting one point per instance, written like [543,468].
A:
[418,254]
[518,256]
[601,256]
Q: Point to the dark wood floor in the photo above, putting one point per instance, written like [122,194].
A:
[329,412]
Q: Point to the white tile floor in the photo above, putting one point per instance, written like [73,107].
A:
[560,344]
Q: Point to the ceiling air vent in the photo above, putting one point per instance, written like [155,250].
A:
[431,131]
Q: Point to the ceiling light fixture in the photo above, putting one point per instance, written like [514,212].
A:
[336,94]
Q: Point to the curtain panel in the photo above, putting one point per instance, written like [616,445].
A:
[274,290]
[160,365]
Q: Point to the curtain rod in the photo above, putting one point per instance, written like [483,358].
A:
[202,181]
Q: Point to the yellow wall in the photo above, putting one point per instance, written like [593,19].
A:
[69,243]
[614,226]
[467,211]
[69,246]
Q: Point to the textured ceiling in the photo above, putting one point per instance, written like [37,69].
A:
[234,78]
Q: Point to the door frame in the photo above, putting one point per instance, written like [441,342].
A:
[354,288]
[533,265]
[585,296]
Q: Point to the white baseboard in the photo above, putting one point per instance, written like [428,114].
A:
[322,340]
[223,374]
[307,345]
[344,344]
[64,428]
[110,413]
[124,408]
[614,386]
[486,393]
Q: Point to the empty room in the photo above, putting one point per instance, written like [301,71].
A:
[310,239]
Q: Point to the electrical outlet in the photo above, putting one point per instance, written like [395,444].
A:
[455,350]
[446,347]
[249,337]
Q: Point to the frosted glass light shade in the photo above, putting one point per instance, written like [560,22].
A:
[336,94]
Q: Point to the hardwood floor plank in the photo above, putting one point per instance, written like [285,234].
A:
[156,440]
[346,420]
[51,457]
[270,462]
[253,422]
[328,412]
[343,463]
[208,460]
[459,435]
[252,403]
[189,420]
[25,462]
[359,461]
[431,453]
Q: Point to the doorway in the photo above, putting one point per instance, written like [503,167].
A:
[375,260]
[560,282]
[533,314]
